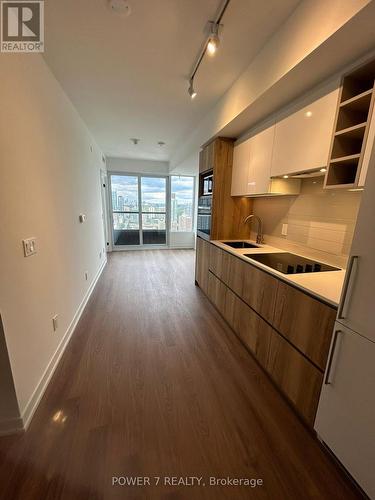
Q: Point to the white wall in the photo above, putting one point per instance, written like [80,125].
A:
[137,166]
[48,176]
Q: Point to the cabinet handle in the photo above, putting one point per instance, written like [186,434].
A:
[348,286]
[331,355]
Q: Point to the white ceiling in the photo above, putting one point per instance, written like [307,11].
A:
[127,76]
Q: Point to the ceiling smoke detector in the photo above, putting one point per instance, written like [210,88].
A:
[121,7]
[135,141]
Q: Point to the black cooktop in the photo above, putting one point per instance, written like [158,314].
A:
[289,263]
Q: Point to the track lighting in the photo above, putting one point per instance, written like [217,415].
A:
[210,46]
[213,39]
[192,92]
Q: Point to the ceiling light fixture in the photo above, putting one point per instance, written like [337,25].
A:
[213,39]
[121,7]
[210,46]
[285,176]
[323,169]
[192,92]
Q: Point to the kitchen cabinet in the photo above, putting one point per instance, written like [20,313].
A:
[254,332]
[354,130]
[305,321]
[207,157]
[297,378]
[257,288]
[228,268]
[346,412]
[226,214]
[249,326]
[251,174]
[285,329]
[222,298]
[201,264]
[240,172]
[302,139]
[259,291]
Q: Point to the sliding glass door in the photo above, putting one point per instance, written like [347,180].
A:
[139,210]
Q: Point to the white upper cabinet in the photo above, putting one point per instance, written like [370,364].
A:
[259,173]
[241,158]
[252,164]
[302,139]
[251,174]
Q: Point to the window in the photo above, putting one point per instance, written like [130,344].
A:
[182,203]
[139,206]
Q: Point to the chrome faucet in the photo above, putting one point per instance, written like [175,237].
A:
[260,239]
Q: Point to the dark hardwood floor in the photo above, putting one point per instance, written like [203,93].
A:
[154,383]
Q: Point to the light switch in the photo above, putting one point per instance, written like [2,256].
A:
[284,230]
[29,247]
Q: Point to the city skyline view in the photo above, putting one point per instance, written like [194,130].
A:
[152,207]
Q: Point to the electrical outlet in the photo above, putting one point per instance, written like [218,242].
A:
[284,230]
[29,247]
[86,275]
[55,322]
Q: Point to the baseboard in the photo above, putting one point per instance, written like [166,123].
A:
[37,395]
[11,426]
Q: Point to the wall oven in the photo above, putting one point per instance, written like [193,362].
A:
[204,216]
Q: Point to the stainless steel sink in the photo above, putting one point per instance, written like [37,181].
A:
[240,244]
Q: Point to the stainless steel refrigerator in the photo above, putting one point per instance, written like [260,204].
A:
[345,420]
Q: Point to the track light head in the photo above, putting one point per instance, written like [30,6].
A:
[192,92]
[213,39]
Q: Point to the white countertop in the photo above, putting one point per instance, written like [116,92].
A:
[326,285]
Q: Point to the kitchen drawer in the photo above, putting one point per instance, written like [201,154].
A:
[296,377]
[201,263]
[259,291]
[252,330]
[221,297]
[228,268]
[306,322]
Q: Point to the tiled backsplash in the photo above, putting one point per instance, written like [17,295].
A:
[320,223]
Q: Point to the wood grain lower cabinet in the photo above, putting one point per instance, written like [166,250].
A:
[202,259]
[259,291]
[252,330]
[305,321]
[228,268]
[297,378]
[222,298]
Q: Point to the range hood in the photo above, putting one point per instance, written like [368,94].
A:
[320,172]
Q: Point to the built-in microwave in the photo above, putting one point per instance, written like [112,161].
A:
[208,184]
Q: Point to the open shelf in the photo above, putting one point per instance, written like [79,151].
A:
[358,81]
[346,159]
[356,131]
[358,102]
[350,116]
[343,171]
[352,120]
